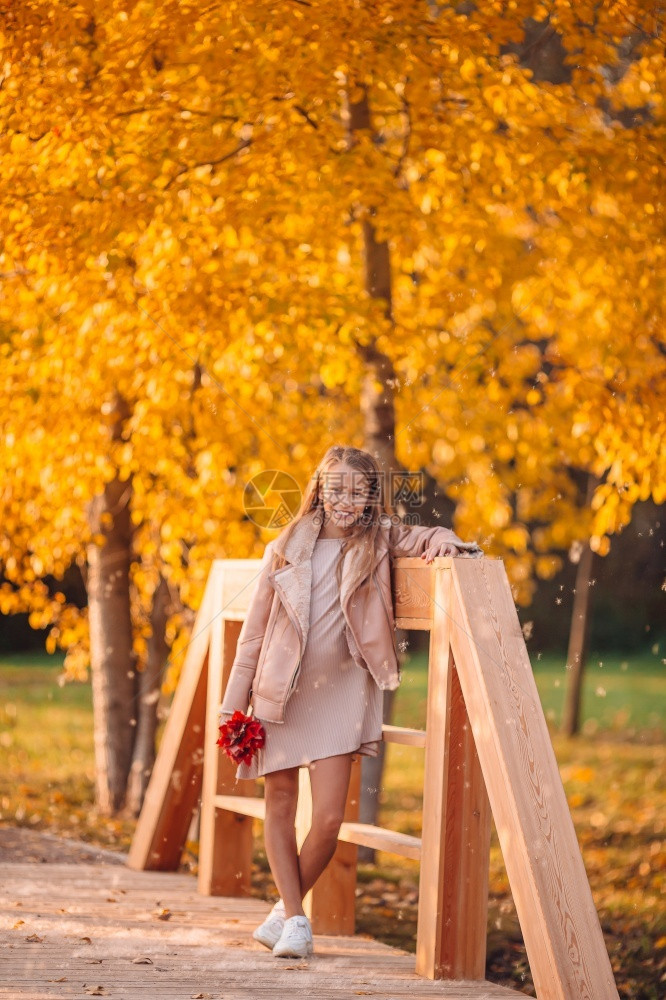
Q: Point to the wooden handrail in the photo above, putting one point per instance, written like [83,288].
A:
[399,734]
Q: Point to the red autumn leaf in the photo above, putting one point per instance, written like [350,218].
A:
[241,736]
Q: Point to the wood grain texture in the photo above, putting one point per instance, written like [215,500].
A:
[175,783]
[453,893]
[413,590]
[93,923]
[565,946]
[467,868]
[247,805]
[225,838]
[400,734]
[381,839]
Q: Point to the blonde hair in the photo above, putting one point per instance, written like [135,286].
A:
[364,533]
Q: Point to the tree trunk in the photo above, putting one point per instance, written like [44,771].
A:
[147,697]
[578,636]
[580,628]
[111,655]
[378,409]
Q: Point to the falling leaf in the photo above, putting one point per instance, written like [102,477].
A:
[163,914]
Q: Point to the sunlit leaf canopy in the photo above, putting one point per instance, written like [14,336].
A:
[182,214]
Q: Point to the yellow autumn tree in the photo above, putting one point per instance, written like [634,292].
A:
[194,204]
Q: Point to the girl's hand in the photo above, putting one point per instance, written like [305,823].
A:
[446,549]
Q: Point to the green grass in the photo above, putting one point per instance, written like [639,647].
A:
[621,694]
[47,774]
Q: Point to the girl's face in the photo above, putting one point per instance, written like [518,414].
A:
[344,493]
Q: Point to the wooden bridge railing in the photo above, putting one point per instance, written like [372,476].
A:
[487,749]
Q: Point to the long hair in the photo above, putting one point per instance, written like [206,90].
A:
[363,535]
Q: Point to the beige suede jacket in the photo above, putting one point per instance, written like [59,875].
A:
[275,630]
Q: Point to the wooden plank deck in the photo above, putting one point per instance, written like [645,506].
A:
[99,930]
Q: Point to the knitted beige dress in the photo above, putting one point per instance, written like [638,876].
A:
[336,706]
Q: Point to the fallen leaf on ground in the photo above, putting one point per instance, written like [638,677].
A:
[142,961]
[35,939]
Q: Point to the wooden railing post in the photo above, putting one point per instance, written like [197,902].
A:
[225,838]
[175,784]
[455,843]
[558,919]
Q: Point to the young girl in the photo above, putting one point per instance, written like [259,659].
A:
[315,652]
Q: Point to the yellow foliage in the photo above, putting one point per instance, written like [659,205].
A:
[184,219]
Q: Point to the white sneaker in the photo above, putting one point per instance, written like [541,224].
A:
[296,938]
[269,932]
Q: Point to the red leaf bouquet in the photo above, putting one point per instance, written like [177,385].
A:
[241,736]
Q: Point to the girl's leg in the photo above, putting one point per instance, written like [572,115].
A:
[329,780]
[281,796]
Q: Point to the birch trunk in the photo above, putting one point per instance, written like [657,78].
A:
[111,655]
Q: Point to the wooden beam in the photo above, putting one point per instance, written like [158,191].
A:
[175,783]
[225,838]
[455,849]
[381,839]
[247,805]
[206,948]
[414,624]
[407,737]
[563,938]
[413,590]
